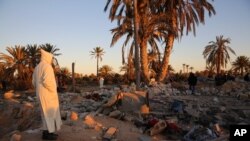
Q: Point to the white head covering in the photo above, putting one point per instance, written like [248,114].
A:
[46,56]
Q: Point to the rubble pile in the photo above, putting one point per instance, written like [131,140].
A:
[158,112]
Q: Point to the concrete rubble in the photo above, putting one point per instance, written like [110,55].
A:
[171,112]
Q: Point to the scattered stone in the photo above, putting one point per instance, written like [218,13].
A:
[113,100]
[158,127]
[115,114]
[200,134]
[144,109]
[74,116]
[16,137]
[64,115]
[110,133]
[30,98]
[89,121]
[144,138]
[9,95]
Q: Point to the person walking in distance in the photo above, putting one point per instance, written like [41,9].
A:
[192,81]
[44,82]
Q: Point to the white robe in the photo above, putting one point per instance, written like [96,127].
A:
[46,91]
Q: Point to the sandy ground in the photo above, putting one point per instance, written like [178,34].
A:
[76,132]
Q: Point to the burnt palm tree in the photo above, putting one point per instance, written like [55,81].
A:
[241,63]
[217,53]
[97,52]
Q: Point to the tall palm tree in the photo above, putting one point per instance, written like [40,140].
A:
[97,52]
[191,69]
[217,52]
[160,19]
[184,14]
[50,48]
[183,65]
[126,27]
[187,68]
[241,63]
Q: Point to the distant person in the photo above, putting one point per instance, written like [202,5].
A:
[246,77]
[46,91]
[220,79]
[4,85]
[192,81]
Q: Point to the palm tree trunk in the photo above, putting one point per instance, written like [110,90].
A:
[165,61]
[219,61]
[137,59]
[144,60]
[73,76]
[97,67]
[130,65]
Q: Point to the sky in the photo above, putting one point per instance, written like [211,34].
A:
[78,26]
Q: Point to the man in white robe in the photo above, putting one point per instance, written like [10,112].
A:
[46,91]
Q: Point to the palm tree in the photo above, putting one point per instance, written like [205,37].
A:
[241,63]
[183,65]
[128,70]
[184,14]
[187,68]
[191,69]
[217,53]
[129,25]
[17,68]
[97,52]
[50,48]
[158,20]
[105,70]
[170,68]
[33,55]
[211,69]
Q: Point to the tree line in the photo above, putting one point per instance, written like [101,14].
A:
[16,67]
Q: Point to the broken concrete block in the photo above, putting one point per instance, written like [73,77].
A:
[222,108]
[74,116]
[115,114]
[107,110]
[8,95]
[89,121]
[30,98]
[15,137]
[110,133]
[244,97]
[64,115]
[144,109]
[144,138]
[158,127]
[113,100]
[217,129]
